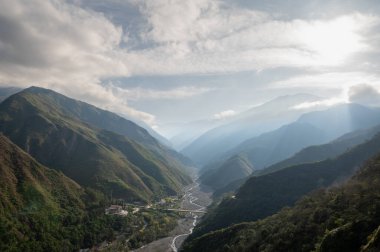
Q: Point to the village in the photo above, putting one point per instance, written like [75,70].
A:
[122,208]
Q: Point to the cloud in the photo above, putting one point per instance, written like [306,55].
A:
[69,47]
[204,36]
[224,114]
[138,94]
[61,46]
[364,94]
[320,104]
[328,80]
[61,42]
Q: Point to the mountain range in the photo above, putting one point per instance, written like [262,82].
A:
[262,196]
[291,185]
[345,217]
[253,122]
[269,149]
[309,154]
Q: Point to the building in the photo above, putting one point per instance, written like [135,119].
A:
[114,209]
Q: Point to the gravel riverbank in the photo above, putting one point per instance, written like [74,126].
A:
[196,198]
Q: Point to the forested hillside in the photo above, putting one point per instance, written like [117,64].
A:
[344,217]
[263,196]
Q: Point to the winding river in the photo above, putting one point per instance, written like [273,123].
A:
[191,199]
[196,198]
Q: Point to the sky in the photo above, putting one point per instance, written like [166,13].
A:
[175,61]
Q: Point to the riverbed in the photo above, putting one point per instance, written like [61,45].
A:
[196,198]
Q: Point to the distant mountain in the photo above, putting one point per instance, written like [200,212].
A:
[36,204]
[251,123]
[343,218]
[5,92]
[308,155]
[95,148]
[264,195]
[313,128]
[235,168]
[182,134]
[321,152]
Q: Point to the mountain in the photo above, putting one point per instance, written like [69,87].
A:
[264,195]
[320,152]
[150,130]
[313,128]
[251,123]
[5,92]
[103,119]
[95,148]
[36,203]
[339,218]
[182,134]
[235,168]
[307,155]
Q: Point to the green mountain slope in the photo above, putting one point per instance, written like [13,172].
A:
[49,127]
[235,168]
[262,196]
[35,202]
[103,119]
[343,218]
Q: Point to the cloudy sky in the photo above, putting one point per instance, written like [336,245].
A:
[165,61]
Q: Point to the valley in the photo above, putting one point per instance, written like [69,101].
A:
[189,126]
[196,198]
[121,189]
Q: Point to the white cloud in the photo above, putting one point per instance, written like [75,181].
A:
[320,104]
[63,47]
[155,94]
[59,42]
[71,49]
[328,80]
[224,114]
[204,36]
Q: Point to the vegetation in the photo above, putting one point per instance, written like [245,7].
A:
[310,154]
[342,218]
[263,196]
[235,168]
[43,210]
[55,130]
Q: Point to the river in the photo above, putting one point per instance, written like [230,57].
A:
[196,198]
